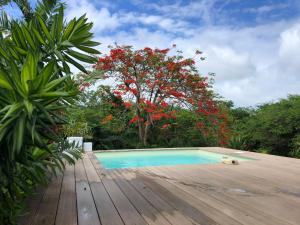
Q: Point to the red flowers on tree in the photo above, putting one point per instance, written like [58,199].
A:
[155,83]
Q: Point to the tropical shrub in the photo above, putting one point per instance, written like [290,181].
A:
[271,128]
[295,147]
[35,89]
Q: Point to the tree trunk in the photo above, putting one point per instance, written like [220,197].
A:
[140,124]
[145,138]
[141,133]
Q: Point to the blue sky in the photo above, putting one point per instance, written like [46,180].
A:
[253,46]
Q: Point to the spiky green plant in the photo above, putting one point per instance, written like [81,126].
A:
[35,89]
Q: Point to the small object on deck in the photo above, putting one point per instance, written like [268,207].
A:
[230,161]
[239,152]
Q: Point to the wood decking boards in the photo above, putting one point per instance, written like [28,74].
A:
[265,191]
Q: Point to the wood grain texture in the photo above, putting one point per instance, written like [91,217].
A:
[265,191]
[67,210]
[47,209]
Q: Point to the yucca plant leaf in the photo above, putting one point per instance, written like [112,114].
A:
[44,27]
[76,64]
[28,37]
[44,111]
[38,36]
[4,83]
[3,53]
[18,35]
[38,153]
[69,29]
[29,70]
[82,57]
[13,53]
[38,141]
[15,79]
[20,50]
[60,21]
[29,107]
[44,76]
[19,134]
[54,94]
[88,50]
[49,133]
[11,109]
[66,44]
[66,68]
[59,55]
[90,43]
[54,83]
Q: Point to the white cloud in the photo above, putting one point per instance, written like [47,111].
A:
[200,9]
[252,64]
[267,8]
[103,20]
[289,47]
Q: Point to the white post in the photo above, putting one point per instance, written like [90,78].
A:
[87,146]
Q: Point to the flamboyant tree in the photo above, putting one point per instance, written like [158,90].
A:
[154,83]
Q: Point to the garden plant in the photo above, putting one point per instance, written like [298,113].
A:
[35,88]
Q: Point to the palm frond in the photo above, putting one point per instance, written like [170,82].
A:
[25,8]
[5,23]
[4,2]
[47,7]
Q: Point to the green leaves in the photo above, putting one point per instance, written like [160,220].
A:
[35,89]
[44,27]
[29,70]
[4,83]
[82,57]
[18,137]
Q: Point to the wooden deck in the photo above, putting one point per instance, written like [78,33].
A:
[260,192]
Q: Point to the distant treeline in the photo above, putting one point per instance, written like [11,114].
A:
[271,128]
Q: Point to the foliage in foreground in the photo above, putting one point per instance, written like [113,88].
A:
[271,128]
[35,88]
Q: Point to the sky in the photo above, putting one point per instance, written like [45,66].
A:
[252,46]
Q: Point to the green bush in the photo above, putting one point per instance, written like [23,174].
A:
[272,128]
[35,88]
[295,146]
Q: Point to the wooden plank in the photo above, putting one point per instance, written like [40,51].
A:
[47,209]
[267,170]
[67,211]
[90,170]
[200,194]
[195,206]
[86,209]
[151,215]
[106,209]
[241,210]
[169,212]
[126,210]
[241,176]
[178,202]
[32,205]
[258,194]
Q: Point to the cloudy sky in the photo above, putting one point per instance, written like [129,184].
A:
[253,46]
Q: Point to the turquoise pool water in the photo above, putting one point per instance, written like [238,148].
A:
[132,159]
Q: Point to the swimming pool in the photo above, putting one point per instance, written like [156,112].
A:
[133,159]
